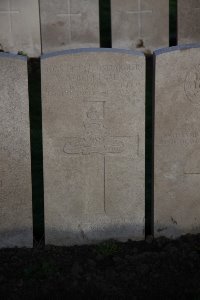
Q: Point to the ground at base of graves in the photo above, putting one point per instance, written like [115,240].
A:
[151,269]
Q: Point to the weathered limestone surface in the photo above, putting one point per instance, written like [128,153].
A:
[141,24]
[188,21]
[15,161]
[69,24]
[20,26]
[177,142]
[93,135]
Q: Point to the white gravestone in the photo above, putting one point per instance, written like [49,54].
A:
[69,24]
[177,141]
[188,21]
[141,24]
[15,160]
[20,27]
[93,135]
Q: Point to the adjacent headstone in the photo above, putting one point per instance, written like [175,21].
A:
[68,24]
[188,21]
[141,24]
[177,142]
[15,162]
[20,27]
[93,136]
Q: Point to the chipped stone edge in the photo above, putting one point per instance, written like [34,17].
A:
[91,50]
[175,48]
[14,56]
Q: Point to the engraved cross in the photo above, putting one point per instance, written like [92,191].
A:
[139,12]
[95,139]
[10,13]
[69,16]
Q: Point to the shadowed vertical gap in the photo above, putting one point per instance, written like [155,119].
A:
[105,23]
[173,23]
[40,27]
[149,183]
[36,149]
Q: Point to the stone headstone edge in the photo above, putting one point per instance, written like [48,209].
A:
[14,56]
[176,48]
[90,50]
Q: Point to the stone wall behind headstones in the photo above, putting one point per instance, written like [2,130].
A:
[15,160]
[93,134]
[20,26]
[177,142]
[141,24]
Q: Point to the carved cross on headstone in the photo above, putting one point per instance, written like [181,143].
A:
[139,12]
[69,16]
[10,13]
[95,139]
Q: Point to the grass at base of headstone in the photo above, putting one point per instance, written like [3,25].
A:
[41,270]
[160,269]
[108,248]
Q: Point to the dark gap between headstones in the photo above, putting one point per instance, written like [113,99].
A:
[36,149]
[150,78]
[173,23]
[105,23]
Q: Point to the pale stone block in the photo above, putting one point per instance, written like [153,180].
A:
[141,24]
[68,24]
[188,21]
[177,142]
[20,27]
[15,161]
[93,136]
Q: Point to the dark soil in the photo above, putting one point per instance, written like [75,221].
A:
[151,269]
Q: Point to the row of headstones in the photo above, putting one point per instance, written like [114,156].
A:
[93,106]
[36,27]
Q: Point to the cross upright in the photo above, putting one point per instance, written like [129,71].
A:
[69,15]
[10,13]
[139,12]
[97,142]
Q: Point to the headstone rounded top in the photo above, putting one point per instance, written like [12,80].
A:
[90,50]
[175,48]
[14,56]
